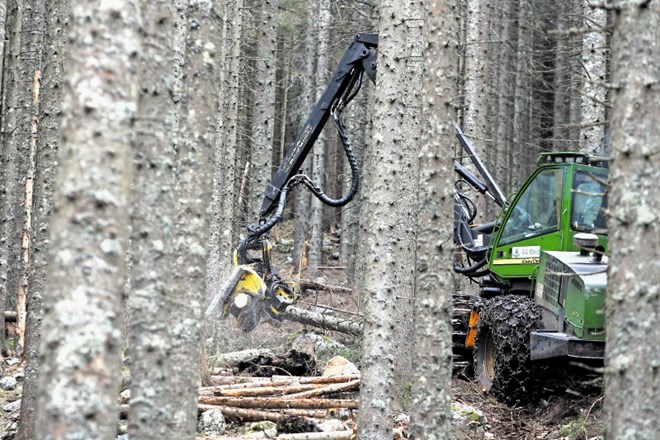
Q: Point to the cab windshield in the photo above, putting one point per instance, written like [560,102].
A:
[537,211]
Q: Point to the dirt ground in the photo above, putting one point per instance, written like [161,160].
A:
[569,409]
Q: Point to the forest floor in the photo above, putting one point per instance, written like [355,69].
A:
[568,407]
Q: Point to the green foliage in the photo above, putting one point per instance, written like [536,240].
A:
[462,412]
[262,426]
[575,430]
[352,353]
[213,361]
[405,398]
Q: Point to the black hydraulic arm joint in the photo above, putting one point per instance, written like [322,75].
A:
[359,58]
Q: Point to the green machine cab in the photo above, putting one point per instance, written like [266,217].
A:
[564,196]
[540,267]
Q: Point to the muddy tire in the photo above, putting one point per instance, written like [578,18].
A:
[501,357]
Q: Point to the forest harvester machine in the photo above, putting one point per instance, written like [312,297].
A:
[539,265]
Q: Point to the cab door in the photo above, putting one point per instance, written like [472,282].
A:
[531,224]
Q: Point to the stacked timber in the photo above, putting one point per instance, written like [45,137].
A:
[277,397]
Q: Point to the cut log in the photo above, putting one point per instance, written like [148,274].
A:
[308,413]
[323,321]
[279,402]
[276,382]
[267,391]
[330,389]
[250,415]
[253,415]
[330,435]
[217,380]
[237,357]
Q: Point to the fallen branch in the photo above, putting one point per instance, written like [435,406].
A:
[335,388]
[279,402]
[325,307]
[313,285]
[323,321]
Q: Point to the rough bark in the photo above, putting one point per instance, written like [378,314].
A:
[194,172]
[503,128]
[57,16]
[3,109]
[81,337]
[261,148]
[593,93]
[474,115]
[359,123]
[388,224]
[322,35]
[152,219]
[632,389]
[223,213]
[303,198]
[13,159]
[33,23]
[562,76]
[522,158]
[431,406]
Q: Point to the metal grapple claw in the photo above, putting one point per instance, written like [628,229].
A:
[252,289]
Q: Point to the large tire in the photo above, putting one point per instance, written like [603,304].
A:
[501,358]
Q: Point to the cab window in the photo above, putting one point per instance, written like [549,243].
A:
[537,210]
[589,202]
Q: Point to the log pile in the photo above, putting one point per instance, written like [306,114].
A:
[280,398]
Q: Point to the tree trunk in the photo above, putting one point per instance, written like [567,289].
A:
[261,148]
[593,93]
[195,148]
[13,161]
[388,226]
[322,36]
[358,122]
[81,337]
[56,15]
[431,411]
[475,88]
[522,157]
[224,213]
[3,162]
[303,198]
[632,393]
[152,212]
